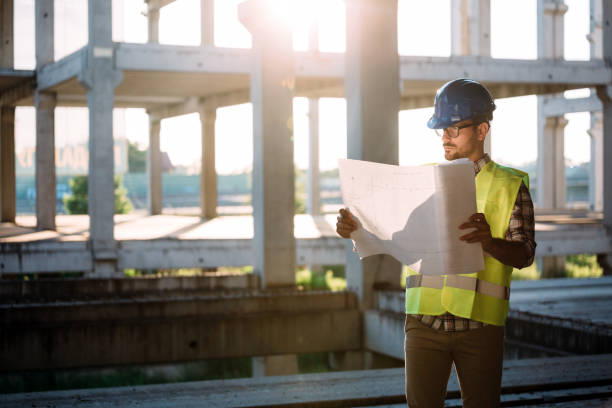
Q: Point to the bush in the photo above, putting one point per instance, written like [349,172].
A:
[77,202]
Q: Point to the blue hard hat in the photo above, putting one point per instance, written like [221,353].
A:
[459,100]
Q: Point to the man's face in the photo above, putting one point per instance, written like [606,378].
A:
[468,143]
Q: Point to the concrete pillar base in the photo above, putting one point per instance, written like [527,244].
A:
[346,360]
[374,361]
[275,365]
[551,266]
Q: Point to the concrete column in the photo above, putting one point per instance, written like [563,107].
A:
[597,162]
[7,120]
[207,19]
[313,189]
[551,181]
[154,168]
[471,27]
[347,360]
[605,94]
[551,163]
[285,364]
[373,100]
[100,79]
[7,164]
[596,130]
[272,91]
[471,33]
[153,24]
[6,34]
[45,160]
[45,121]
[550,166]
[208,173]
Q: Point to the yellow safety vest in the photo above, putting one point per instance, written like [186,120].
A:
[484,295]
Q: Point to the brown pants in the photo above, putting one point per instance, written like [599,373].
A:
[430,354]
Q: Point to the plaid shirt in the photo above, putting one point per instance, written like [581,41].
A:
[520,229]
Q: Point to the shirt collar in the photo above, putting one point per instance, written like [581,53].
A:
[480,163]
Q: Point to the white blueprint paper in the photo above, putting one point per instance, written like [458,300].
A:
[413,213]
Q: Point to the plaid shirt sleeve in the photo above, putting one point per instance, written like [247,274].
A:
[522,223]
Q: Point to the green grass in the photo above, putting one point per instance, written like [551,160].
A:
[582,266]
[326,278]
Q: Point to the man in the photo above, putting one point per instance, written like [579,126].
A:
[459,318]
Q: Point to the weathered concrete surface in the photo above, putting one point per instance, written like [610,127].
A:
[8,204]
[531,379]
[384,332]
[569,315]
[272,89]
[373,103]
[154,168]
[100,77]
[148,330]
[45,121]
[170,241]
[208,173]
[41,290]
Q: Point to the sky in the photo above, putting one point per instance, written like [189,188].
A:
[423,29]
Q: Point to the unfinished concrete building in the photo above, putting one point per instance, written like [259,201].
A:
[165,320]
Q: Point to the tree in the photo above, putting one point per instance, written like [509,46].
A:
[137,159]
[77,202]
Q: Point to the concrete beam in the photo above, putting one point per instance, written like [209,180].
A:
[560,106]
[506,71]
[71,289]
[194,104]
[208,173]
[175,58]
[154,168]
[45,257]
[9,97]
[100,77]
[67,68]
[159,253]
[373,101]
[272,92]
[8,197]
[146,331]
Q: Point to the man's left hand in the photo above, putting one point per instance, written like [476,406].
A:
[482,233]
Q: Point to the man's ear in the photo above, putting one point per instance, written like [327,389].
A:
[482,130]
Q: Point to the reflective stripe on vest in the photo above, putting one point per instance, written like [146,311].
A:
[459,282]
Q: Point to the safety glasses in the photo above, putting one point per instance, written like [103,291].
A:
[452,132]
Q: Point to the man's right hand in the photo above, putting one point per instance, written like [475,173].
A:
[346,223]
